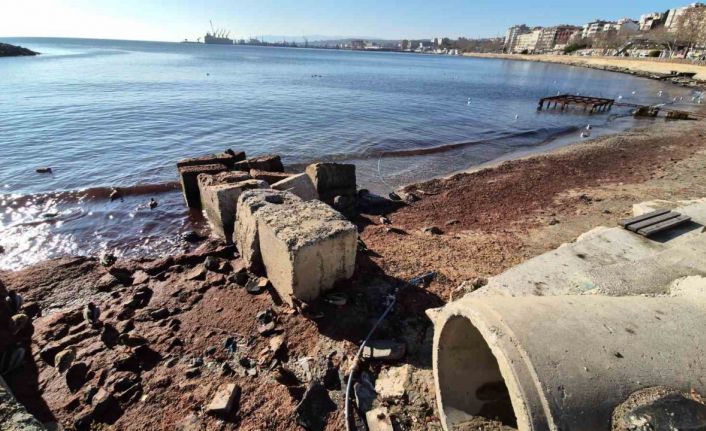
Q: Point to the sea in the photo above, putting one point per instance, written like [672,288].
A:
[110,113]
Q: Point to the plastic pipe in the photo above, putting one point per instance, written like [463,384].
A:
[566,361]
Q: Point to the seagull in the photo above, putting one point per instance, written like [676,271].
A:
[517,116]
[620,97]
[469,101]
[585,134]
[115,194]
[633,93]
[153,204]
[384,220]
[589,127]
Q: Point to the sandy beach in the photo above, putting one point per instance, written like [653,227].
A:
[638,65]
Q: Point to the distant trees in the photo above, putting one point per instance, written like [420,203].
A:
[582,43]
[691,28]
[668,40]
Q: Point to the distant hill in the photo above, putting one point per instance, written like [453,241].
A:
[7,50]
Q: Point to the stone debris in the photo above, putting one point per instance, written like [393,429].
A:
[189,181]
[228,158]
[392,383]
[246,235]
[225,400]
[269,177]
[300,185]
[219,203]
[332,180]
[306,247]
[313,410]
[385,350]
[379,420]
[364,390]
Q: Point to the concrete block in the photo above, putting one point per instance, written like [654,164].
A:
[220,204]
[246,237]
[189,181]
[300,185]
[269,163]
[270,177]
[332,179]
[224,400]
[228,158]
[306,247]
[379,420]
[229,177]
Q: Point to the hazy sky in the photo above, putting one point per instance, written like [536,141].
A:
[173,20]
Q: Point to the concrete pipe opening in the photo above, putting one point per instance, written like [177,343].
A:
[562,363]
[470,384]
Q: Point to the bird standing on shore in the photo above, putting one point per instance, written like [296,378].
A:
[115,194]
[13,301]
[589,127]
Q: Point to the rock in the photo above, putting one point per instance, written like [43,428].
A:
[299,185]
[467,287]
[313,410]
[19,322]
[132,340]
[107,282]
[210,351]
[110,335]
[392,383]
[277,343]
[102,402]
[44,170]
[197,273]
[192,372]
[107,258]
[364,391]
[140,277]
[452,222]
[553,222]
[220,204]
[384,220]
[379,420]
[266,328]
[246,237]
[659,409]
[159,314]
[77,376]
[286,377]
[169,363]
[333,179]
[306,248]
[432,230]
[385,350]
[192,237]
[7,50]
[64,359]
[256,285]
[224,401]
[410,198]
[189,181]
[190,423]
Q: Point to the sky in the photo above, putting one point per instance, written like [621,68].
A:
[175,20]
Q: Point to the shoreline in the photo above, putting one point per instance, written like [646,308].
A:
[490,220]
[645,68]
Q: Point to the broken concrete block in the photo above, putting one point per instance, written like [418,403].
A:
[224,400]
[384,349]
[227,158]
[246,236]
[270,177]
[300,185]
[268,163]
[189,181]
[379,420]
[306,247]
[219,203]
[392,383]
[332,179]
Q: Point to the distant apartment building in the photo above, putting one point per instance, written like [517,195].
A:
[652,21]
[623,26]
[556,37]
[512,34]
[528,42]
[671,22]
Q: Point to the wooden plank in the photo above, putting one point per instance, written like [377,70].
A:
[632,220]
[665,225]
[652,221]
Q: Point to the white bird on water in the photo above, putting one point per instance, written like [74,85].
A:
[516,116]
[469,101]
[620,97]
[633,93]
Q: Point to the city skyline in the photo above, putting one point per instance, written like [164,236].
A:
[163,20]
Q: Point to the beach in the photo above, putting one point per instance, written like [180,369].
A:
[636,65]
[489,220]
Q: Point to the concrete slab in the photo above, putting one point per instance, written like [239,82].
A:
[224,400]
[228,177]
[269,163]
[188,176]
[332,179]
[300,185]
[612,261]
[220,205]
[227,158]
[246,236]
[269,177]
[306,247]
[379,420]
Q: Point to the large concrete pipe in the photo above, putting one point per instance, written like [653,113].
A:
[563,362]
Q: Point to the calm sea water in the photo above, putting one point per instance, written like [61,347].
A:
[108,114]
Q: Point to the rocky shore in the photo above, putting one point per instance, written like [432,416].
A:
[195,341]
[7,50]
[685,74]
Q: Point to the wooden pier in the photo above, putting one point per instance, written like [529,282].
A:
[590,104]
